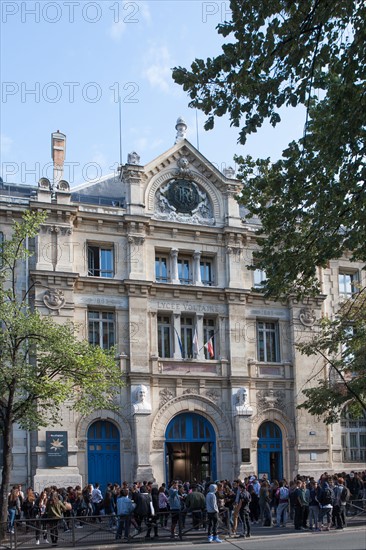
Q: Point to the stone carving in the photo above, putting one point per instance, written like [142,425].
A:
[54,299]
[225,444]
[271,399]
[63,185]
[240,401]
[158,444]
[133,158]
[183,168]
[229,172]
[141,404]
[214,395]
[137,240]
[165,395]
[191,391]
[58,229]
[307,316]
[183,201]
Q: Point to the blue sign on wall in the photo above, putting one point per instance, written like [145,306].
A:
[56,449]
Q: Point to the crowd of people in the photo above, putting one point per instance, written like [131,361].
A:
[144,507]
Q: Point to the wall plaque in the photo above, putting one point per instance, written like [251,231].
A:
[245,455]
[56,449]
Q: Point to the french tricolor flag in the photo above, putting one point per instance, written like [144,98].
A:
[210,348]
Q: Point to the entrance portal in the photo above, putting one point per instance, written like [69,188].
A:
[270,451]
[103,454]
[190,448]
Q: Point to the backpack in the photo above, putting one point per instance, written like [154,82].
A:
[345,495]
[326,496]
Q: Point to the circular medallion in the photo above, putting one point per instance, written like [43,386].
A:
[183,195]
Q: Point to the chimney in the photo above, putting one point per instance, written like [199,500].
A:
[58,153]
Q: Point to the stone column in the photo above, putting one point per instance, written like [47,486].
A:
[141,411]
[176,329]
[174,266]
[201,352]
[153,334]
[197,269]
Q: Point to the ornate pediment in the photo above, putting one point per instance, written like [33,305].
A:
[184,201]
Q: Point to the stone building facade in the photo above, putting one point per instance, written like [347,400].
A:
[154,260]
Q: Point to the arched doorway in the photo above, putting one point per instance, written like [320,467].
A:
[270,451]
[190,448]
[104,453]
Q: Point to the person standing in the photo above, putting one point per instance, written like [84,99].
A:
[313,493]
[174,506]
[54,510]
[283,499]
[212,514]
[125,507]
[14,507]
[299,502]
[243,499]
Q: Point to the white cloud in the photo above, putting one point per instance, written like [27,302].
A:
[158,70]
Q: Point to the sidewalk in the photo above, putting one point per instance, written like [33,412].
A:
[101,538]
[197,538]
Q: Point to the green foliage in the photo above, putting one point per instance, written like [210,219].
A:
[341,342]
[43,364]
[311,203]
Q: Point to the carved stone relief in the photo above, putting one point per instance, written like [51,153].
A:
[271,399]
[54,299]
[165,395]
[307,316]
[182,200]
[214,395]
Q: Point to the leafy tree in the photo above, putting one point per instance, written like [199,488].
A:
[43,364]
[312,201]
[341,346]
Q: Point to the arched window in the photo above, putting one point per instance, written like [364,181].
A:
[353,436]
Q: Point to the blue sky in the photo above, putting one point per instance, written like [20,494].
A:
[78,56]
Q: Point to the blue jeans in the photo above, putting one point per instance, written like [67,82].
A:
[11,517]
[123,525]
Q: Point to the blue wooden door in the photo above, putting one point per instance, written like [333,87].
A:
[104,454]
[190,448]
[270,451]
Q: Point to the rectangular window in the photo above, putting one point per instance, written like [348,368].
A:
[347,284]
[206,272]
[209,338]
[101,328]
[186,336]
[164,336]
[268,342]
[161,269]
[185,271]
[100,261]
[259,278]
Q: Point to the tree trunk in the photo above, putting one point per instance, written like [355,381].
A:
[5,477]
